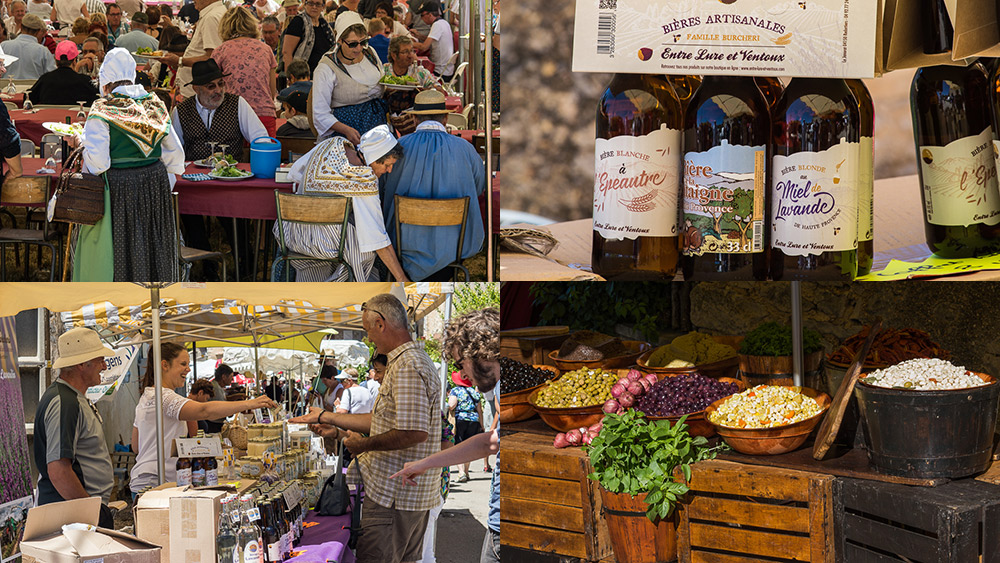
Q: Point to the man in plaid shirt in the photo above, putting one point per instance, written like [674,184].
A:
[406,412]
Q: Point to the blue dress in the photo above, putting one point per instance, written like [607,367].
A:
[435,165]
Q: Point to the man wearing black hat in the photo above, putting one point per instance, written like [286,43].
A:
[439,40]
[296,114]
[212,114]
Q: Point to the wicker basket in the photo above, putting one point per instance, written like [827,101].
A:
[237,435]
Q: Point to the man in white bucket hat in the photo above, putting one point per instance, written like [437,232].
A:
[70,452]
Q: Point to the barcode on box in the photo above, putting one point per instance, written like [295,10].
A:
[758,236]
[606,31]
[608,5]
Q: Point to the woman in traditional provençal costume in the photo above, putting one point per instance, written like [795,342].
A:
[346,94]
[128,139]
[334,167]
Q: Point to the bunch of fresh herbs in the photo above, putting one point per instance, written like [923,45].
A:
[775,339]
[633,455]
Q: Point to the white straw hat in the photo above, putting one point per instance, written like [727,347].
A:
[79,345]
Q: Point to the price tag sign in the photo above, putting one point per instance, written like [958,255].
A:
[253,514]
[293,494]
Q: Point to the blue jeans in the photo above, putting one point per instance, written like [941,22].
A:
[491,547]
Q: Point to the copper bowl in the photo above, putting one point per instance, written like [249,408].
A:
[514,407]
[698,424]
[567,419]
[636,348]
[722,368]
[771,441]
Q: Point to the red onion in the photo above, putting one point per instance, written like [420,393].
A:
[596,427]
[560,441]
[617,389]
[623,382]
[651,378]
[588,438]
[611,406]
[634,375]
[646,385]
[574,437]
[626,400]
[635,388]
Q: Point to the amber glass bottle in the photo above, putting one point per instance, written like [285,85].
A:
[866,176]
[771,87]
[724,216]
[637,179]
[814,176]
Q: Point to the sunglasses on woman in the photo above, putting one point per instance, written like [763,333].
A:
[354,44]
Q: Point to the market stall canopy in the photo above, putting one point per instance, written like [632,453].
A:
[272,360]
[17,297]
[347,352]
[424,297]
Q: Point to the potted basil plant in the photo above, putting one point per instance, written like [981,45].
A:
[633,461]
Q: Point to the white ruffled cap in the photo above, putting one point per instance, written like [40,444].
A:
[118,65]
[376,143]
[346,20]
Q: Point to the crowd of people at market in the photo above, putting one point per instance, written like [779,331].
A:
[395,430]
[167,89]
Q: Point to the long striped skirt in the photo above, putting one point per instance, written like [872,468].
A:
[143,224]
[322,241]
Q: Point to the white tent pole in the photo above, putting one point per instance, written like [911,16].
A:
[797,356]
[154,300]
[444,355]
[256,366]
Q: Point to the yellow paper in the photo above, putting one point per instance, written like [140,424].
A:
[934,266]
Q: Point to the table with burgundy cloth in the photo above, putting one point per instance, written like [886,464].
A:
[17,99]
[29,125]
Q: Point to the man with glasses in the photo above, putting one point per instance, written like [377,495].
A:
[91,57]
[116,27]
[472,341]
[394,516]
[213,115]
[69,448]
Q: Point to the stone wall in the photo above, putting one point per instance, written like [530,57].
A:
[963,317]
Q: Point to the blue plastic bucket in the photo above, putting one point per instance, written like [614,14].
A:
[265,157]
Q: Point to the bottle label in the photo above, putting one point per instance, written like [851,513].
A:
[814,201]
[253,514]
[724,190]
[960,182]
[252,553]
[866,190]
[235,518]
[274,552]
[212,477]
[636,183]
[198,478]
[183,477]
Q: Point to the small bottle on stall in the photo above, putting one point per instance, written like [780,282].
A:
[269,532]
[226,545]
[953,130]
[183,471]
[211,471]
[771,87]
[814,182]
[198,478]
[724,217]
[866,177]
[278,508]
[249,535]
[637,177]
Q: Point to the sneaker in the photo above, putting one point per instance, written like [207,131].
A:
[463,479]
[488,469]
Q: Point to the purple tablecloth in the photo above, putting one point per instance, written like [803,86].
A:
[324,541]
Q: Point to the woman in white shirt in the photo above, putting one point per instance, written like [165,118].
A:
[66,11]
[177,410]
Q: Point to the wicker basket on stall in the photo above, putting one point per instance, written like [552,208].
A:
[237,435]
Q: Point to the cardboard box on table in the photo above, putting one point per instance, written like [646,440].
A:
[816,38]
[45,542]
[976,34]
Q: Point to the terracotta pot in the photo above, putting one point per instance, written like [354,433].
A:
[634,539]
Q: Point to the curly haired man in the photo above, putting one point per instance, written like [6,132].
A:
[473,343]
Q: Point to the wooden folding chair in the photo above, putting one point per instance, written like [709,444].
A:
[312,210]
[433,213]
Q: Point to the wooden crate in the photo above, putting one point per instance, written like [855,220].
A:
[739,513]
[530,349]
[547,504]
[876,522]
